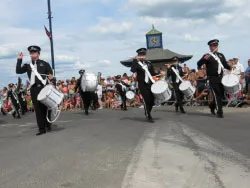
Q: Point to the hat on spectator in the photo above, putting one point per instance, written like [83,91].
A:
[141,51]
[214,41]
[34,48]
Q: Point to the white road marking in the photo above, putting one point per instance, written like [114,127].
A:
[9,125]
[24,125]
[176,156]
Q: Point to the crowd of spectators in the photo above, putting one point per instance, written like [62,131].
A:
[109,98]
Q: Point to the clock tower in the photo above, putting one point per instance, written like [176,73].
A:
[154,39]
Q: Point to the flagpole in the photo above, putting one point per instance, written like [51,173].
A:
[51,38]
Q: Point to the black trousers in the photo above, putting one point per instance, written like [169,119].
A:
[218,93]
[178,94]
[95,100]
[40,109]
[87,98]
[148,97]
[23,104]
[16,105]
[124,100]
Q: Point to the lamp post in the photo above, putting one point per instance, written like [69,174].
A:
[51,38]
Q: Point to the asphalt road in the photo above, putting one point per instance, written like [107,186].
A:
[112,149]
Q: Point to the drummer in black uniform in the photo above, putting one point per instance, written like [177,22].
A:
[45,70]
[121,88]
[176,83]
[21,96]
[12,95]
[144,83]
[214,73]
[87,97]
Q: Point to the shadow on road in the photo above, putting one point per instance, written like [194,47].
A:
[139,119]
[2,122]
[56,128]
[187,113]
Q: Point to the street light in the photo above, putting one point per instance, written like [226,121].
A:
[51,38]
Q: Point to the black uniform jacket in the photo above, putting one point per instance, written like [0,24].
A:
[212,65]
[42,68]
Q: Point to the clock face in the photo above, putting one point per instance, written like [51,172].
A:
[154,41]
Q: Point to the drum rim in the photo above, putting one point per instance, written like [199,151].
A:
[157,82]
[47,93]
[185,83]
[224,79]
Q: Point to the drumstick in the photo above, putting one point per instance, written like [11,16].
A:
[48,75]
[23,54]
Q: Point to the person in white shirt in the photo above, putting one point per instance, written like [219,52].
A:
[99,94]
[238,68]
[110,84]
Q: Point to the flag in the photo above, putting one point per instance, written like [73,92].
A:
[47,32]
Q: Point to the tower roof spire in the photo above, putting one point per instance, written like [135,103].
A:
[153,31]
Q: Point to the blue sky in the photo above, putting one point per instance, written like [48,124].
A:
[97,34]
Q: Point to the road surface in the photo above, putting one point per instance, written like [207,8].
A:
[113,149]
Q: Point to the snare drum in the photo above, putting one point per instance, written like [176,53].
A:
[161,91]
[89,82]
[187,89]
[130,95]
[50,97]
[231,83]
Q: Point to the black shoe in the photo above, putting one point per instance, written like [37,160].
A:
[150,119]
[40,133]
[176,109]
[212,112]
[182,110]
[219,115]
[86,112]
[18,117]
[14,115]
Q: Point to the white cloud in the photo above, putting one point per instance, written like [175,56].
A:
[96,37]
[224,18]
[235,3]
[172,22]
[80,65]
[65,58]
[108,25]
[107,62]
[191,38]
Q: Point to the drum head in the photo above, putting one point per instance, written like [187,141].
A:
[89,76]
[44,92]
[159,87]
[89,82]
[230,80]
[185,85]
[130,94]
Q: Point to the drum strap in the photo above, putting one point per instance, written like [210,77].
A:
[220,65]
[34,71]
[123,87]
[145,68]
[177,74]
